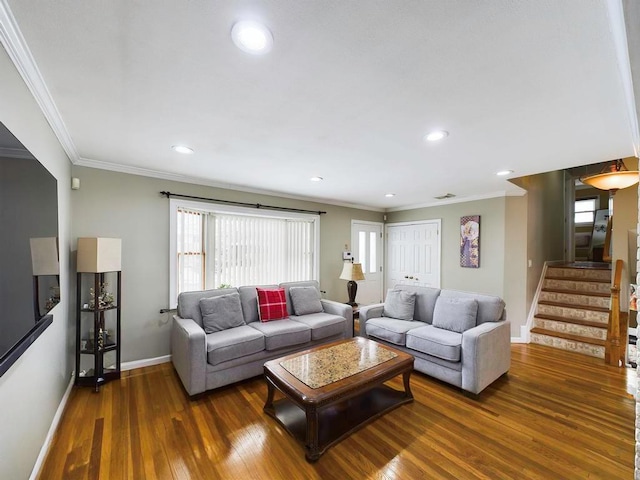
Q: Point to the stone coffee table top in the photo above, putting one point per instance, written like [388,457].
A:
[322,367]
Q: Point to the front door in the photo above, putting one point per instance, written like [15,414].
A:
[413,254]
[366,247]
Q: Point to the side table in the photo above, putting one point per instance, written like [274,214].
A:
[356,319]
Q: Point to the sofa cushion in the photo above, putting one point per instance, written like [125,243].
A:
[437,342]
[425,301]
[189,302]
[455,314]
[249,301]
[305,300]
[272,304]
[288,285]
[390,329]
[221,312]
[283,333]
[233,343]
[490,307]
[322,325]
[399,304]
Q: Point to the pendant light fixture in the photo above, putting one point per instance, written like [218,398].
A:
[613,177]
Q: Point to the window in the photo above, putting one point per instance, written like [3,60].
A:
[584,212]
[215,245]
[190,249]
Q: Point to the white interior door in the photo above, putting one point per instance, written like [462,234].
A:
[413,254]
[367,248]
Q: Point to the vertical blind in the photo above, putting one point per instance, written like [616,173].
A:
[242,250]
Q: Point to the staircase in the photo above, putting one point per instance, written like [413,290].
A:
[572,312]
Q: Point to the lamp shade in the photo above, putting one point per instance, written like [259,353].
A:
[44,256]
[614,177]
[352,271]
[99,255]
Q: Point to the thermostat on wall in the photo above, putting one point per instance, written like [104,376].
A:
[347,256]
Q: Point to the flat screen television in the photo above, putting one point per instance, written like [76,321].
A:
[29,261]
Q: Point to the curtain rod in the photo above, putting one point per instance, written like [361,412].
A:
[243,204]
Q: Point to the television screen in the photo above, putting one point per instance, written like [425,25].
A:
[29,262]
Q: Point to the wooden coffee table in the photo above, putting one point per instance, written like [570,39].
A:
[333,390]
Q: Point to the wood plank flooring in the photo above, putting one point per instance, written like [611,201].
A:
[557,415]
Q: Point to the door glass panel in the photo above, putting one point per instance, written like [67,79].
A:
[362,250]
[372,252]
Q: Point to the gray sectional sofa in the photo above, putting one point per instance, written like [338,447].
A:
[459,337]
[239,343]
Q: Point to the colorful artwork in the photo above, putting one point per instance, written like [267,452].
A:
[633,297]
[470,241]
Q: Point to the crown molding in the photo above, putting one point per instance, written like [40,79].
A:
[17,49]
[449,201]
[176,177]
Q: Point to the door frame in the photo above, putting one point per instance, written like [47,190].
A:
[437,221]
[382,251]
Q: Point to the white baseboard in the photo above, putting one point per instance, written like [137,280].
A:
[147,362]
[519,340]
[52,430]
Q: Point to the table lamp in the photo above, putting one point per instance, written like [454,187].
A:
[352,272]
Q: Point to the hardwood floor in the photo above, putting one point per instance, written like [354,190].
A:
[557,415]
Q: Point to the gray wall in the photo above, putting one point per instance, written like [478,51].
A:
[130,207]
[515,263]
[545,223]
[31,390]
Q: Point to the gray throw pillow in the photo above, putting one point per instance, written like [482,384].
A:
[305,300]
[221,312]
[455,314]
[399,304]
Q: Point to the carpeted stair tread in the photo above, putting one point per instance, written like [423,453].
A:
[576,321]
[582,265]
[577,279]
[576,292]
[573,305]
[568,336]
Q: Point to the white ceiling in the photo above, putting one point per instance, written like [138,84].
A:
[347,92]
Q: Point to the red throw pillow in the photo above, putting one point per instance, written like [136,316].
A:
[272,304]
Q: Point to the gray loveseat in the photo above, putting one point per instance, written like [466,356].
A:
[459,337]
[234,352]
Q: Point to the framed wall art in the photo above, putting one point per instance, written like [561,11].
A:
[470,241]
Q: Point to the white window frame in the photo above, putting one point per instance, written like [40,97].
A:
[575,212]
[176,203]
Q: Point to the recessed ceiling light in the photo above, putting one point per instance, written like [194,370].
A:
[389,195]
[182,149]
[316,179]
[502,173]
[436,135]
[252,37]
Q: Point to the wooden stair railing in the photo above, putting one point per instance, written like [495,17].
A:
[606,252]
[614,347]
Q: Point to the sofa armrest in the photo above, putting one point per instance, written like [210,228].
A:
[342,309]
[189,354]
[365,313]
[486,354]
